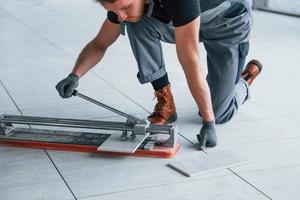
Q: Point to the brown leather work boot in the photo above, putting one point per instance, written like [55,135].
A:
[164,110]
[252,70]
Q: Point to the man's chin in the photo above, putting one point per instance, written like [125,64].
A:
[134,20]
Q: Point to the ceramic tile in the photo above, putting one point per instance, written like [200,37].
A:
[281,183]
[229,187]
[29,174]
[267,155]
[245,128]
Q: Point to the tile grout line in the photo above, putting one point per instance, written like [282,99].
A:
[260,141]
[151,187]
[187,140]
[72,18]
[274,111]
[7,92]
[60,174]
[272,168]
[250,184]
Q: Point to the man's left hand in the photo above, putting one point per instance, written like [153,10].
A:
[208,135]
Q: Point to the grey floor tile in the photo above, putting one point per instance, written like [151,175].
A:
[77,14]
[245,128]
[29,174]
[278,81]
[245,112]
[268,155]
[280,183]
[272,100]
[198,165]
[31,43]
[274,129]
[41,94]
[61,32]
[229,187]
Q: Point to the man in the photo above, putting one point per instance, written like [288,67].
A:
[225,28]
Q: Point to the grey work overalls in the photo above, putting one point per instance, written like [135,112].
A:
[224,31]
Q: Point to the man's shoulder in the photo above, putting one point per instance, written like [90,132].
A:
[176,3]
[181,12]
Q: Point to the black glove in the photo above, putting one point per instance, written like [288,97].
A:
[67,86]
[208,135]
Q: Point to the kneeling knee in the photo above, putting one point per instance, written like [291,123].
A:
[224,117]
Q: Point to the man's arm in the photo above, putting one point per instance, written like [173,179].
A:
[93,52]
[187,47]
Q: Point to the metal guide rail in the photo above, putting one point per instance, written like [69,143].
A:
[5,120]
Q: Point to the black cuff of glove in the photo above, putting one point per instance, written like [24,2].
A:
[74,76]
[211,123]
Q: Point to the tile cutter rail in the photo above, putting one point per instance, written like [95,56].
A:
[134,137]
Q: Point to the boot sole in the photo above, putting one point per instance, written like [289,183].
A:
[246,75]
[172,118]
[257,63]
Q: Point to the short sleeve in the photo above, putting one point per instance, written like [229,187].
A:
[112,17]
[184,11]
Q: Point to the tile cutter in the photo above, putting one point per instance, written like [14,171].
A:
[134,137]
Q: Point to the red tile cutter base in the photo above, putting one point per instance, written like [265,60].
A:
[156,152]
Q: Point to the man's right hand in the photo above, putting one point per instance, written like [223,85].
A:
[67,86]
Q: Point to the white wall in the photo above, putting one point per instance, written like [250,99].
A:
[286,6]
[290,6]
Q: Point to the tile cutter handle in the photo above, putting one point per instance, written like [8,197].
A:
[76,93]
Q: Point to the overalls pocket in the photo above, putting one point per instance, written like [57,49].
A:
[232,24]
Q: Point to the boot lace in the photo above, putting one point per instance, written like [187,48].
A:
[160,105]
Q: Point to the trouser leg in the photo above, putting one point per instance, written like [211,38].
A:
[226,41]
[144,37]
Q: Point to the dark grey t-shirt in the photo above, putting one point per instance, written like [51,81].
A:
[180,12]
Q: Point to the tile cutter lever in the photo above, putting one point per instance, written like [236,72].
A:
[139,124]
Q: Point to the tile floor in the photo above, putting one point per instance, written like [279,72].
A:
[39,42]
